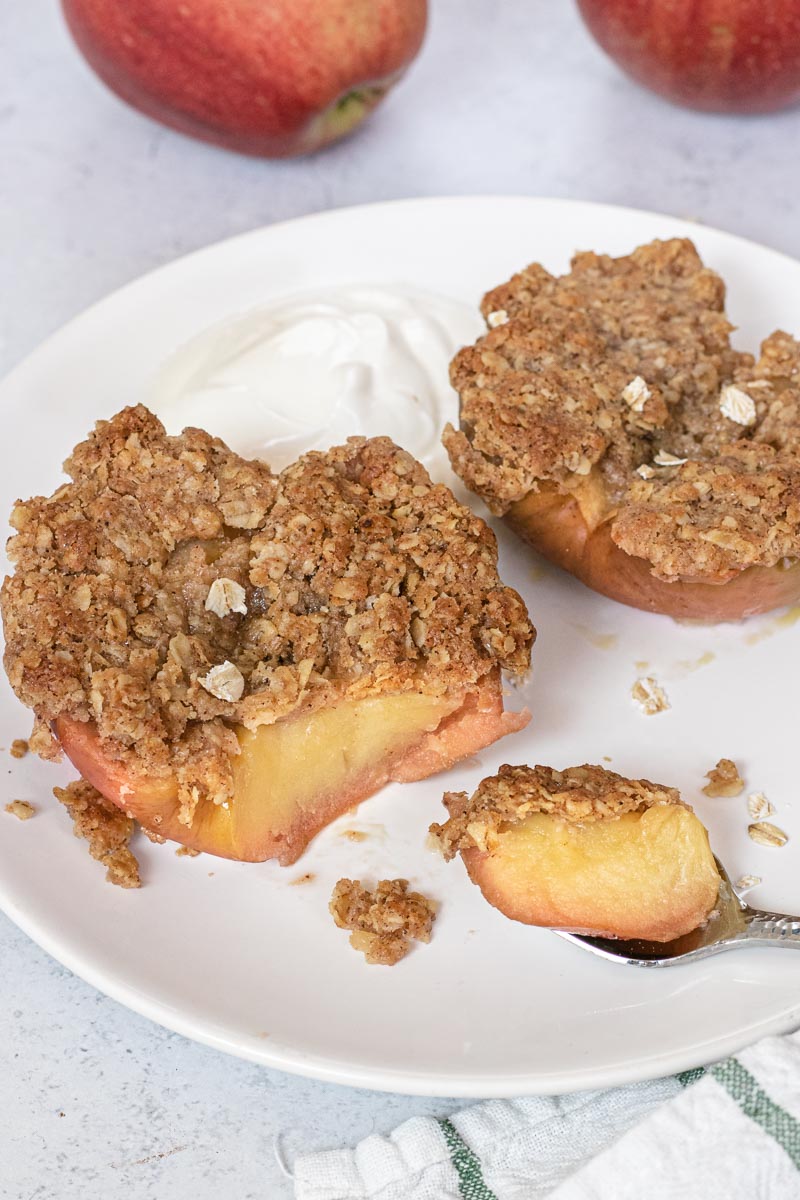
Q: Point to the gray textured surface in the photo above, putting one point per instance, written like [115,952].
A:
[507,97]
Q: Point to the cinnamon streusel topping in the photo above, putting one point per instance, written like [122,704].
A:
[579,795]
[616,369]
[384,921]
[359,576]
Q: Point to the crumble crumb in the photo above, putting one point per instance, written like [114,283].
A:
[19,748]
[384,921]
[106,828]
[309,877]
[577,794]
[767,834]
[724,779]
[226,596]
[185,852]
[759,807]
[650,696]
[22,809]
[355,835]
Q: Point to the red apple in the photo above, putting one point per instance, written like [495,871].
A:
[266,77]
[717,55]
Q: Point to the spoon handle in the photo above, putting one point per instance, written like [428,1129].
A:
[776,929]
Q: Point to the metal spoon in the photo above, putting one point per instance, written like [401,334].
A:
[733,923]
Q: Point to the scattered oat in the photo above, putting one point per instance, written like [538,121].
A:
[724,779]
[383,921]
[650,696]
[498,317]
[636,394]
[737,405]
[745,882]
[309,877]
[759,807]
[106,828]
[224,681]
[19,748]
[226,596]
[767,834]
[186,852]
[21,809]
[665,459]
[645,471]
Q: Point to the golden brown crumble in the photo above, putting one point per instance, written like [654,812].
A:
[186,852]
[577,794]
[19,748]
[648,693]
[105,828]
[359,574]
[384,921]
[22,809]
[724,779]
[620,367]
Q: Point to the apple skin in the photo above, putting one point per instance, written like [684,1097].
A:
[735,56]
[274,78]
[555,526]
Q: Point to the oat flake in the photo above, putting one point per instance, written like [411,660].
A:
[650,696]
[665,459]
[226,596]
[767,834]
[745,882]
[737,405]
[498,317]
[636,394]
[759,807]
[224,681]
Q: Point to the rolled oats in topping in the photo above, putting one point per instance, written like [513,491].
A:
[665,459]
[224,681]
[737,406]
[226,596]
[636,394]
[497,318]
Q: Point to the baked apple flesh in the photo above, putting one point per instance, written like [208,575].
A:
[293,777]
[568,530]
[648,875]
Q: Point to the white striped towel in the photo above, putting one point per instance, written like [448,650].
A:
[729,1132]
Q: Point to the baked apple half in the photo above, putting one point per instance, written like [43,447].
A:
[235,658]
[607,418]
[584,850]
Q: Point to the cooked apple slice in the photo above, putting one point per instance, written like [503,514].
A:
[293,778]
[606,417]
[584,850]
[564,529]
[235,657]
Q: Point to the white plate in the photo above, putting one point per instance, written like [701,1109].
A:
[231,954]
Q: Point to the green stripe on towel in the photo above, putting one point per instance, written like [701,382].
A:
[470,1177]
[756,1104]
[687,1077]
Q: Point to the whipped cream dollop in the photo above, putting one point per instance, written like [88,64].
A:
[311,371]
